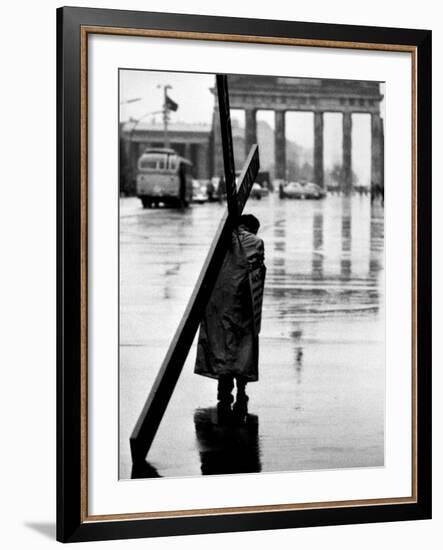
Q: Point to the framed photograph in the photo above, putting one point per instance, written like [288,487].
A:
[244,274]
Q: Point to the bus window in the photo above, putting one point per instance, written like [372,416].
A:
[173,163]
[153,162]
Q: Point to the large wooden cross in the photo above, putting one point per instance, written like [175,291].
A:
[237,195]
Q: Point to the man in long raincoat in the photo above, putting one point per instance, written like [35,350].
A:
[228,339]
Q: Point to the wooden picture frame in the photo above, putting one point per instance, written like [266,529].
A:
[74,523]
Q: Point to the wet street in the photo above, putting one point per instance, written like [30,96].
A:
[319,402]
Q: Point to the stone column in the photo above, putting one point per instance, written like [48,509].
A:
[318,148]
[217,149]
[376,151]
[280,145]
[128,163]
[250,129]
[188,151]
[201,169]
[133,159]
[347,153]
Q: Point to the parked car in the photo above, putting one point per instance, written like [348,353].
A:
[298,190]
[313,191]
[257,191]
[292,190]
[199,192]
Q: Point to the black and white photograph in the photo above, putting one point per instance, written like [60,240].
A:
[285,370]
[219,318]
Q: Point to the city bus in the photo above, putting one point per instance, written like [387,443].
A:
[163,177]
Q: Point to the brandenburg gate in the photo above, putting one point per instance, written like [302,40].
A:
[319,96]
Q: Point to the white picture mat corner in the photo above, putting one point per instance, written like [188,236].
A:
[107,495]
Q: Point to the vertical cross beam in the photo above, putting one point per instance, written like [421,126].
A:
[167,377]
[228,147]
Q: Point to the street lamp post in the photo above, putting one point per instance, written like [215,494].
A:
[132,169]
[165,87]
[168,105]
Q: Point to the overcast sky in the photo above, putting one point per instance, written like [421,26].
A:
[196,103]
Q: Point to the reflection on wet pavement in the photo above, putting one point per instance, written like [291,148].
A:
[320,397]
[229,447]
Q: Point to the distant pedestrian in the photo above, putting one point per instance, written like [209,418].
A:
[221,189]
[210,191]
[228,339]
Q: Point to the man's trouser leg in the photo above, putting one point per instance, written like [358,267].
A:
[241,403]
[224,389]
[241,389]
